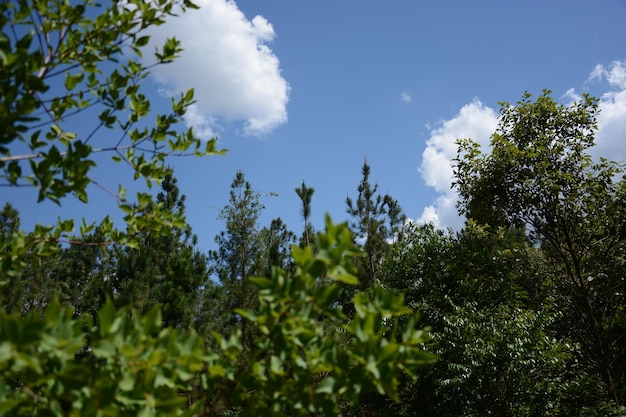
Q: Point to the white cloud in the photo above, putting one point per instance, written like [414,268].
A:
[429,215]
[572,96]
[405,97]
[475,121]
[236,76]
[612,118]
[204,126]
[612,126]
[615,74]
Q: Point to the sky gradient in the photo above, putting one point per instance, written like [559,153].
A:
[306,90]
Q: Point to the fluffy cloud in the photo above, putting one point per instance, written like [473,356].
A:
[443,213]
[615,74]
[612,117]
[236,76]
[405,97]
[475,121]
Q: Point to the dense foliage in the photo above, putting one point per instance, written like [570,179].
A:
[521,312]
[103,324]
[540,178]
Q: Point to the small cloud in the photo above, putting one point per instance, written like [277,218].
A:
[612,107]
[475,121]
[572,96]
[614,74]
[612,117]
[204,127]
[597,73]
[429,215]
[405,97]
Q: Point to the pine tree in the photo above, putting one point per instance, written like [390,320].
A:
[276,242]
[237,256]
[377,220]
[82,274]
[165,269]
[306,193]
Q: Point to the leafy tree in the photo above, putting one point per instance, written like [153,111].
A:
[493,323]
[127,364]
[60,364]
[361,355]
[540,176]
[64,60]
[165,269]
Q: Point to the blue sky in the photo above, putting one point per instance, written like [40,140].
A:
[306,90]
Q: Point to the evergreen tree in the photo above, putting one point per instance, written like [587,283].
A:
[238,252]
[78,273]
[164,269]
[82,274]
[32,287]
[9,220]
[306,193]
[276,241]
[377,220]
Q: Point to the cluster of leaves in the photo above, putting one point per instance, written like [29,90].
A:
[128,364]
[60,62]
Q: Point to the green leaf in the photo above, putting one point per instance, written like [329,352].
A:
[72,80]
[106,318]
[326,386]
[142,41]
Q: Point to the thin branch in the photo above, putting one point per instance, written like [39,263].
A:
[93,132]
[26,390]
[26,184]
[46,110]
[83,243]
[67,96]
[121,155]
[95,150]
[42,155]
[42,48]
[108,191]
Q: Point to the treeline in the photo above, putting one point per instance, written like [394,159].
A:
[525,304]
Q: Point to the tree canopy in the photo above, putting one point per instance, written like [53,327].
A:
[540,177]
